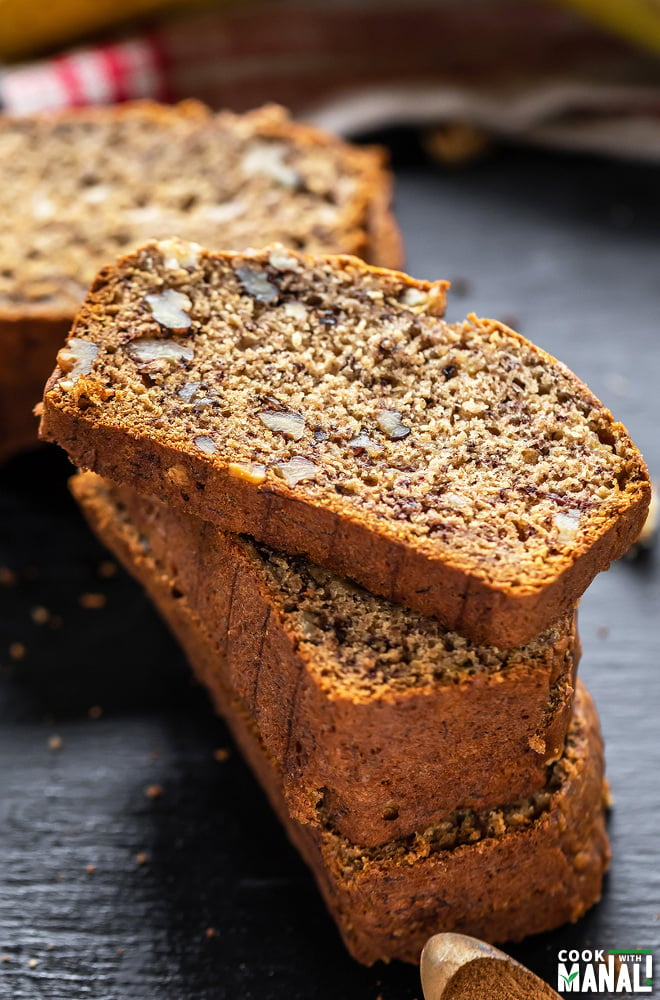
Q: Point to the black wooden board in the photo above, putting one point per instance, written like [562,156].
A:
[108,894]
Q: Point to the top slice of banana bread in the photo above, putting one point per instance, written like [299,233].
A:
[325,408]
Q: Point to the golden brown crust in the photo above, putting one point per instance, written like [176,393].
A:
[504,887]
[472,740]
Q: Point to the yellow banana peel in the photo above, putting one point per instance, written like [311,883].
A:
[27,29]
[636,20]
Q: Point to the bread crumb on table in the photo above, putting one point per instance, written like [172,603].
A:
[92,601]
[221,755]
[7,577]
[17,651]
[40,615]
[55,742]
[153,791]
[94,712]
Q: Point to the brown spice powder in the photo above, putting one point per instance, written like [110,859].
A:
[496,979]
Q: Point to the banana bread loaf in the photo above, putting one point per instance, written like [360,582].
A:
[80,186]
[339,682]
[324,407]
[519,868]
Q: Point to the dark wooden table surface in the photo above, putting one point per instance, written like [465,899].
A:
[109,894]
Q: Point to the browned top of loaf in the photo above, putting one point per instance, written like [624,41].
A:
[79,187]
[338,387]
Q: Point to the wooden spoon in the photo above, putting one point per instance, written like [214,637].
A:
[458,967]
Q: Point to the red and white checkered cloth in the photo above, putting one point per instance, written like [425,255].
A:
[103,74]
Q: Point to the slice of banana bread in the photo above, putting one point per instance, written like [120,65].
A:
[377,718]
[324,407]
[519,868]
[80,186]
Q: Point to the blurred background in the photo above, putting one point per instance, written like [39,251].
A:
[573,74]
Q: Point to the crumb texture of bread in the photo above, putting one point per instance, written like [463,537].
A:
[325,407]
[499,874]
[343,683]
[115,177]
[80,186]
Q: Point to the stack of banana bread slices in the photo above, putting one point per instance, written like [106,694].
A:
[369,529]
